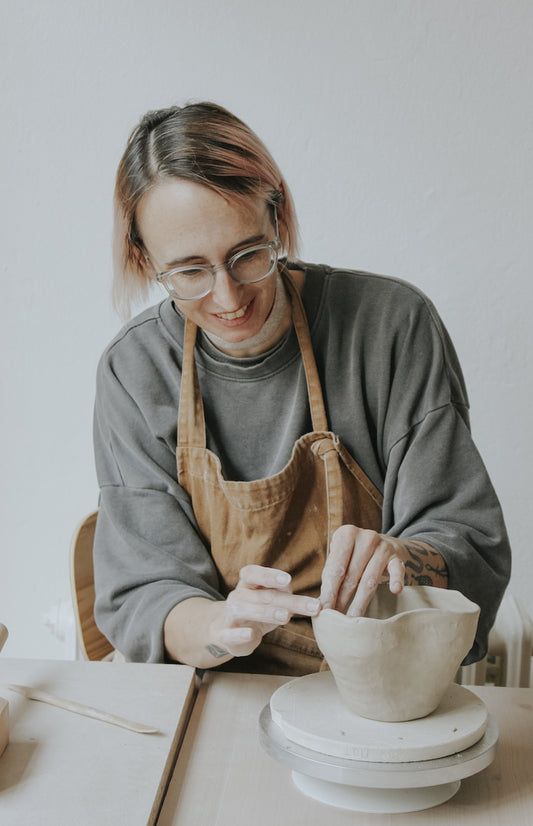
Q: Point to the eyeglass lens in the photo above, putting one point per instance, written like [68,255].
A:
[246,267]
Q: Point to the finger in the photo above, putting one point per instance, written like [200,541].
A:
[240,612]
[294,603]
[365,562]
[239,642]
[267,605]
[396,571]
[366,589]
[380,564]
[257,576]
[230,637]
[377,555]
[340,554]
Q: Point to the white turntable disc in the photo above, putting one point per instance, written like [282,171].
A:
[310,712]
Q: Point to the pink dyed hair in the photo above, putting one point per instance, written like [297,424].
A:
[199,142]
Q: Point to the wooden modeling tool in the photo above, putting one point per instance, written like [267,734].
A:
[3,635]
[4,706]
[78,708]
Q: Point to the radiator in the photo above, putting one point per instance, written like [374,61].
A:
[508,660]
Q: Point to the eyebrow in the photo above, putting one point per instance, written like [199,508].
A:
[247,242]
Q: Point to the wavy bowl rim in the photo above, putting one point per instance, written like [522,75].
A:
[470,608]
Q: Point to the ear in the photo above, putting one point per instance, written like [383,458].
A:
[278,196]
[279,203]
[142,263]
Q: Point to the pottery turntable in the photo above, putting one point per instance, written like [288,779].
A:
[372,766]
[401,761]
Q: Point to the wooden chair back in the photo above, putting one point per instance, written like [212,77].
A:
[93,645]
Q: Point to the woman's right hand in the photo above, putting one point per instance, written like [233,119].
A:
[262,600]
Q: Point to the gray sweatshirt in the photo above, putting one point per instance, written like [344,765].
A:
[394,394]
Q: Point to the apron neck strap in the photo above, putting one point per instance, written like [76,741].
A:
[191,420]
[314,389]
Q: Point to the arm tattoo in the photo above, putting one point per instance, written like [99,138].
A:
[217,652]
[425,566]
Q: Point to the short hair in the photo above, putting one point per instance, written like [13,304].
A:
[199,142]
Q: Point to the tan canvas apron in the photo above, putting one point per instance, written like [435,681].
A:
[285,521]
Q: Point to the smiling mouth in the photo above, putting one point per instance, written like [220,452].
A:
[232,316]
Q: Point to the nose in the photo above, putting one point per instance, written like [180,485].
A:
[226,291]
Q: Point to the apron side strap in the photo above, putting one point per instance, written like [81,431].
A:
[326,449]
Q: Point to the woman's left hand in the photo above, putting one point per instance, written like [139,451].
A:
[359,560]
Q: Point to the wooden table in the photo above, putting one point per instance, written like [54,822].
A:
[60,768]
[224,778]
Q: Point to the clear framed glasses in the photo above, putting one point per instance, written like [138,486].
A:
[247,266]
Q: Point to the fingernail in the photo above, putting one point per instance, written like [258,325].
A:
[283,578]
[313,605]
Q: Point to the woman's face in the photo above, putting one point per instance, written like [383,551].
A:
[182,223]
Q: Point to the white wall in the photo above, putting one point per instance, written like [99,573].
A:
[405,130]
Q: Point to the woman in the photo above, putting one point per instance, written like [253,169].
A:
[322,444]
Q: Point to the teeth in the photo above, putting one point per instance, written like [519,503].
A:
[231,316]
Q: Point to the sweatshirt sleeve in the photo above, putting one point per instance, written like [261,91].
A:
[437,488]
[148,552]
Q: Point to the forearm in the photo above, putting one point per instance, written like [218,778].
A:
[188,633]
[423,564]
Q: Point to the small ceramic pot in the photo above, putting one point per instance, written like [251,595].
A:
[396,662]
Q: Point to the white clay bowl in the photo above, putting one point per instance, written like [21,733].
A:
[395,663]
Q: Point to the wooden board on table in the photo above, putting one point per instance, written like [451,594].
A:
[62,768]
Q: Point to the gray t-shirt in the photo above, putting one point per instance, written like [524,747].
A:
[394,394]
